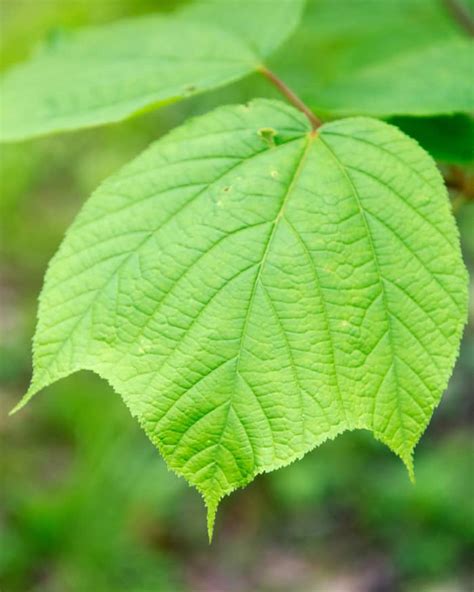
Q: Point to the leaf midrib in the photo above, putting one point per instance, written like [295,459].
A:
[310,137]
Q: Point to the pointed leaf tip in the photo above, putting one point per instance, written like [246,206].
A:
[21,403]
[211,508]
[410,467]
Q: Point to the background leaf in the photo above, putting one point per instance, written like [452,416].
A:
[403,57]
[263,25]
[406,84]
[251,298]
[104,74]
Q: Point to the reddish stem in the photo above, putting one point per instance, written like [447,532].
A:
[291,96]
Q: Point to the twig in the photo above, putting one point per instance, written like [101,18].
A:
[461,185]
[461,181]
[291,96]
[461,14]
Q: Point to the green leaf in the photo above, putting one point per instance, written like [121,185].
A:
[251,298]
[436,80]
[263,25]
[380,58]
[106,74]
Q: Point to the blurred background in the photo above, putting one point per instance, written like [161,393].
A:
[86,502]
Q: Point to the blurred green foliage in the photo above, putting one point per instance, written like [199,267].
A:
[86,503]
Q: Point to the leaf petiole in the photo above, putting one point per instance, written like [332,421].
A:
[291,96]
